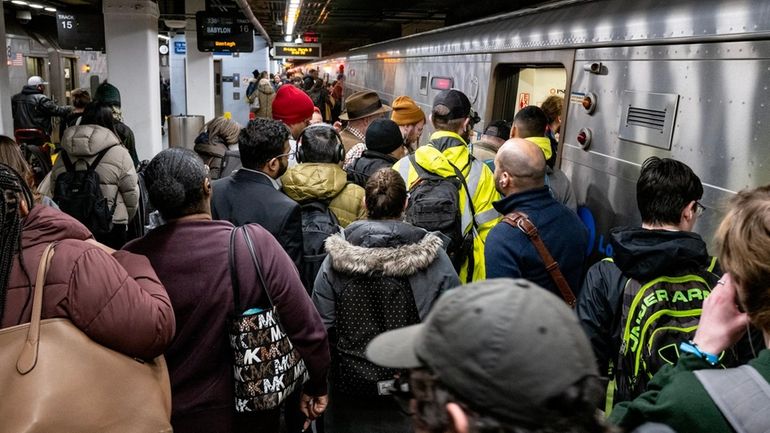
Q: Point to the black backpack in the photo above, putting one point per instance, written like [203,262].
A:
[367,306]
[79,194]
[318,223]
[434,204]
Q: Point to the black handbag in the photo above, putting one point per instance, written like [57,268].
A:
[266,366]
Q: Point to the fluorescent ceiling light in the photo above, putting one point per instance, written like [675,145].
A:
[35,6]
[164,37]
[19,2]
[49,9]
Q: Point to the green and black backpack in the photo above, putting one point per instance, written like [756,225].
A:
[657,315]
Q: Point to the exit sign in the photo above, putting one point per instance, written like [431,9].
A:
[311,37]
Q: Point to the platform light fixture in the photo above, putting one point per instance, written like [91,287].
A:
[36,6]
[19,2]
[291,16]
[287,38]
[49,9]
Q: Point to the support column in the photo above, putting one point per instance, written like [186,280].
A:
[6,117]
[131,36]
[199,74]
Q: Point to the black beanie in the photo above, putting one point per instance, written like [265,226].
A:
[384,136]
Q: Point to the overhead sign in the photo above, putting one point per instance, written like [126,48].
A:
[284,50]
[180,47]
[311,37]
[223,33]
[80,31]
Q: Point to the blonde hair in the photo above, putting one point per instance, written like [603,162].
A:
[743,240]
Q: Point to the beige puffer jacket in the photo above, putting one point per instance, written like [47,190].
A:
[116,170]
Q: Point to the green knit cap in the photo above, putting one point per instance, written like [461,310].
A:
[108,94]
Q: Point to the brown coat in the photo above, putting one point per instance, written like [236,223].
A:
[116,300]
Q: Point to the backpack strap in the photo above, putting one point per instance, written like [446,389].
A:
[99,156]
[741,394]
[521,221]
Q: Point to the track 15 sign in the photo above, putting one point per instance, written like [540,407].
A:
[81,31]
[297,51]
[223,33]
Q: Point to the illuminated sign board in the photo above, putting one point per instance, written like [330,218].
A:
[297,51]
[310,37]
[223,33]
[80,31]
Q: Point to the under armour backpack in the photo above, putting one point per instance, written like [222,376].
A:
[79,194]
[318,223]
[657,315]
[434,205]
[367,306]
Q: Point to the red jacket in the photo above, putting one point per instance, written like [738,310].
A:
[116,300]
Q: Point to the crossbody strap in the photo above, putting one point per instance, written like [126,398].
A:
[234,269]
[741,394]
[521,221]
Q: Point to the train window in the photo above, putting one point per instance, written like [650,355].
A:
[517,87]
[424,85]
[441,83]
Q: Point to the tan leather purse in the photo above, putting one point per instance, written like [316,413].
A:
[53,378]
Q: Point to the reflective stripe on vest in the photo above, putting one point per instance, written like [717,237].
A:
[403,170]
[473,179]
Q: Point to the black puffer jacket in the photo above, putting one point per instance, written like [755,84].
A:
[32,109]
[640,254]
[365,166]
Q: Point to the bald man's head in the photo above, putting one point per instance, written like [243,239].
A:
[519,166]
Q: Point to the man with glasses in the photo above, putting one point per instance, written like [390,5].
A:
[253,193]
[649,260]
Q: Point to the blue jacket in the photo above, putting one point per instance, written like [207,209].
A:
[509,253]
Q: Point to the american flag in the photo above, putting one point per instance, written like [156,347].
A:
[16,61]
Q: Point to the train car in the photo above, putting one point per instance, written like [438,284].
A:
[680,79]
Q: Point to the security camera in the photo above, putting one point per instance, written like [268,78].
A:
[24,17]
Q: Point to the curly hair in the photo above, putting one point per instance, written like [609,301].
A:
[385,195]
[572,411]
[260,141]
[174,180]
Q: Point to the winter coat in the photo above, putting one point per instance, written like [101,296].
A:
[388,248]
[511,254]
[313,181]
[676,398]
[191,258]
[561,187]
[126,136]
[265,94]
[485,152]
[364,167]
[116,170]
[117,300]
[349,139]
[641,254]
[33,110]
[249,197]
[442,151]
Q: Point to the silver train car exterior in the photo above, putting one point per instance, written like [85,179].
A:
[680,79]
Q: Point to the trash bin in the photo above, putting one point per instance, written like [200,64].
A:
[183,129]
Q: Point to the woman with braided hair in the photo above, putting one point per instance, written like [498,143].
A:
[102,291]
[382,274]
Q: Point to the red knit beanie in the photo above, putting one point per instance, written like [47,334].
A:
[291,105]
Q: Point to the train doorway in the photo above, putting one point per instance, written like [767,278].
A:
[218,103]
[517,86]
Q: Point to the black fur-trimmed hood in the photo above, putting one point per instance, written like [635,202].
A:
[392,248]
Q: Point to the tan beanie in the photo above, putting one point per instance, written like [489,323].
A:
[406,112]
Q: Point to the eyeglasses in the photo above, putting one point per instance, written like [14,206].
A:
[699,208]
[290,154]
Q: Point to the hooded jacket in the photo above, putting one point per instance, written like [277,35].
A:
[265,94]
[442,151]
[103,295]
[313,181]
[640,254]
[32,109]
[364,167]
[116,170]
[390,248]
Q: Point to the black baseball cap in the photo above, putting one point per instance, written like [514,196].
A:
[503,346]
[459,105]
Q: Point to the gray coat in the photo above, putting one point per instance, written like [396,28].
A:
[389,248]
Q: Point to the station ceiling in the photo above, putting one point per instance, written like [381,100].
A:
[340,24]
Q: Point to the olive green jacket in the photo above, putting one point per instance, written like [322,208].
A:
[328,182]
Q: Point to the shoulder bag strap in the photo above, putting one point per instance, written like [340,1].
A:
[253,254]
[28,356]
[741,394]
[521,221]
[234,271]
